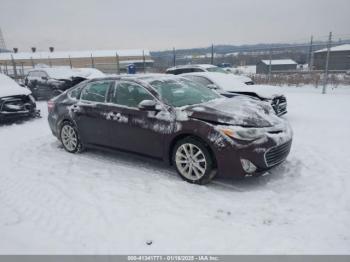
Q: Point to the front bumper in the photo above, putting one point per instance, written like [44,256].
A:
[12,116]
[16,108]
[264,154]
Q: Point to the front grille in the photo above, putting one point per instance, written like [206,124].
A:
[277,154]
[279,104]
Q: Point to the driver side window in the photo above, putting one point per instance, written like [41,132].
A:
[129,94]
[95,91]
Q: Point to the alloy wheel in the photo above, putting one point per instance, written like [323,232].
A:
[191,161]
[69,137]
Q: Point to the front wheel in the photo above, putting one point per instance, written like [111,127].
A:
[193,161]
[70,138]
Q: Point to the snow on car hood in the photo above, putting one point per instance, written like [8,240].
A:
[264,91]
[239,110]
[9,87]
[235,83]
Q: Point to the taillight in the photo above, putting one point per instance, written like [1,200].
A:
[50,105]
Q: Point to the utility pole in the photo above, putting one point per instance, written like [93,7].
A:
[2,41]
[50,62]
[325,78]
[270,66]
[70,62]
[174,56]
[92,62]
[117,61]
[310,55]
[14,68]
[212,54]
[32,61]
[144,61]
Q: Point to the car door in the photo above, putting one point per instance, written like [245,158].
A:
[134,129]
[32,82]
[90,113]
[42,87]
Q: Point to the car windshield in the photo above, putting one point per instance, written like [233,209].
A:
[183,92]
[216,70]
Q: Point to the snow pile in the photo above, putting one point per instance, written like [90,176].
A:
[9,87]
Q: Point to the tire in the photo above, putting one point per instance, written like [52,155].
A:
[69,137]
[193,161]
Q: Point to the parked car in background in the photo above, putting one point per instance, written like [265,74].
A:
[183,69]
[89,73]
[228,85]
[46,83]
[16,102]
[184,123]
[225,65]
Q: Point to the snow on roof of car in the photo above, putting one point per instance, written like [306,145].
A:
[191,66]
[9,87]
[280,62]
[89,73]
[153,76]
[74,54]
[58,72]
[338,48]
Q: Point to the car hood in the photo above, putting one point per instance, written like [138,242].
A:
[9,87]
[263,91]
[236,83]
[239,110]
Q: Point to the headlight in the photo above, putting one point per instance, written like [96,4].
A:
[242,133]
[32,98]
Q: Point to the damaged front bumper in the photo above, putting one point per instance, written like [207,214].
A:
[17,107]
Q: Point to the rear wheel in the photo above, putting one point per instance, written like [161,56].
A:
[70,138]
[193,161]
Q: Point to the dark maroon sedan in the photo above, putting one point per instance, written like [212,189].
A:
[173,119]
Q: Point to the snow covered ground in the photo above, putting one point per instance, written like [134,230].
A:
[52,202]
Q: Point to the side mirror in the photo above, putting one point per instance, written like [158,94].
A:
[148,105]
[212,86]
[44,78]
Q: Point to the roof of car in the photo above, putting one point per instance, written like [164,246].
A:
[204,66]
[139,77]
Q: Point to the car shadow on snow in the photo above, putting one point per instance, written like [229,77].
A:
[290,169]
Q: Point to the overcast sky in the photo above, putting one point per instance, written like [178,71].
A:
[163,24]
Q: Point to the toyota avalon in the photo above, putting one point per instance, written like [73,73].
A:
[201,133]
